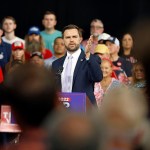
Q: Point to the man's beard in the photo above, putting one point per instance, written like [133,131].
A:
[33,46]
[74,49]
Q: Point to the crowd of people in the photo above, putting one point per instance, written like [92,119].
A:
[35,69]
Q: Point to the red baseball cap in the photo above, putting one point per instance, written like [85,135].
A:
[17,45]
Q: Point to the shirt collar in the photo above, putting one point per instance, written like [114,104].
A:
[75,54]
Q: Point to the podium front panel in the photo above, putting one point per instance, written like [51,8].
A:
[75,102]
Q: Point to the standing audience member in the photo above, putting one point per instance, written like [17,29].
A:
[34,42]
[50,33]
[122,67]
[32,94]
[59,51]
[107,83]
[5,51]
[37,58]
[96,29]
[9,26]
[80,69]
[127,47]
[18,55]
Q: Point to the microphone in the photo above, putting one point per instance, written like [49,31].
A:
[59,71]
[58,77]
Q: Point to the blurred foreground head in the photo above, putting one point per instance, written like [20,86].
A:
[124,108]
[123,113]
[71,131]
[32,93]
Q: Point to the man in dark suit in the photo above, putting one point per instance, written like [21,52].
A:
[84,67]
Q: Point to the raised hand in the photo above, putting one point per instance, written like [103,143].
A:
[88,46]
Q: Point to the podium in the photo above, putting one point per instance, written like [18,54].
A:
[75,102]
[7,122]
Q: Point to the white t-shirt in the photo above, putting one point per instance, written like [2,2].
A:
[13,40]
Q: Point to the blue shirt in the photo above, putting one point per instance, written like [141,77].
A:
[5,53]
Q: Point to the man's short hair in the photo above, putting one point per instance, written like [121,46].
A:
[60,37]
[10,18]
[72,26]
[50,13]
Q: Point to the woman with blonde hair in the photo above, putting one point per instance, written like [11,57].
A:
[138,74]
[108,82]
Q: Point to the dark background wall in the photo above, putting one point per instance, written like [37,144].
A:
[118,15]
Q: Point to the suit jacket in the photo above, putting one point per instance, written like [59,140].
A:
[86,73]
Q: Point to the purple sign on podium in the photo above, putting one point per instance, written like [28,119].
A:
[75,102]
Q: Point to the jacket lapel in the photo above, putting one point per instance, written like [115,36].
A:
[78,65]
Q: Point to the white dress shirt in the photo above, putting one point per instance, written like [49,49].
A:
[75,55]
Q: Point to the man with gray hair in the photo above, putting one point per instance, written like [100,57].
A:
[96,29]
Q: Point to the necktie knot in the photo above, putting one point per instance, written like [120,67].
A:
[70,57]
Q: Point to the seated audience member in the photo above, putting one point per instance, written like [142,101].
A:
[32,94]
[34,42]
[9,26]
[50,33]
[5,52]
[122,67]
[17,56]
[107,83]
[96,29]
[59,51]
[37,58]
[138,74]
[127,48]
[102,51]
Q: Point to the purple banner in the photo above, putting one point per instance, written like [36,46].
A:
[75,102]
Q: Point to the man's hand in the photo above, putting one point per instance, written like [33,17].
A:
[88,47]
